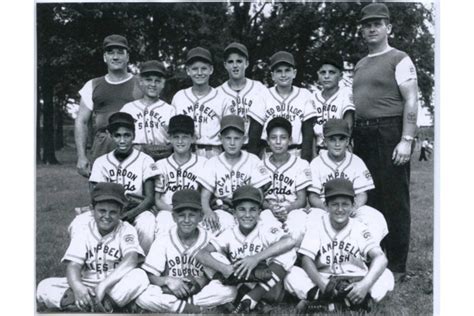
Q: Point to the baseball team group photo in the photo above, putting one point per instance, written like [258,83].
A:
[235,157]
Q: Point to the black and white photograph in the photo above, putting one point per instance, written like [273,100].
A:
[236,157]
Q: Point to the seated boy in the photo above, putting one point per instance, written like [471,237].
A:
[338,162]
[247,245]
[336,245]
[225,173]
[285,200]
[151,114]
[333,101]
[100,261]
[178,281]
[132,169]
[177,172]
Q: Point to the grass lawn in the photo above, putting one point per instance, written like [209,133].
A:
[60,189]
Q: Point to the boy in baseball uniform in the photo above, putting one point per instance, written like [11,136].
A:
[334,101]
[130,168]
[178,280]
[177,172]
[338,162]
[228,171]
[151,114]
[100,261]
[204,104]
[337,245]
[285,200]
[248,244]
[241,91]
[295,104]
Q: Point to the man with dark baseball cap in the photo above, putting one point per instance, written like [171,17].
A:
[385,90]
[102,96]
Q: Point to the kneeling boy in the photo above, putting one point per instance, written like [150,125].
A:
[100,261]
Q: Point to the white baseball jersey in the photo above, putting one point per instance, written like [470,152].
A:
[168,256]
[287,180]
[171,177]
[239,102]
[206,111]
[151,121]
[131,173]
[338,252]
[333,108]
[223,179]
[351,168]
[100,255]
[298,107]
[232,243]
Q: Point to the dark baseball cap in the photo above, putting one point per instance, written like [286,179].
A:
[338,186]
[115,40]
[233,121]
[282,57]
[186,199]
[181,124]
[374,11]
[236,47]
[336,127]
[332,59]
[247,193]
[107,191]
[200,54]
[279,122]
[121,119]
[152,66]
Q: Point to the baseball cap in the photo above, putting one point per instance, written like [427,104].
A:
[282,57]
[240,48]
[247,193]
[279,122]
[181,123]
[186,198]
[332,59]
[199,53]
[115,40]
[338,186]
[234,121]
[152,66]
[374,11]
[336,127]
[121,119]
[107,191]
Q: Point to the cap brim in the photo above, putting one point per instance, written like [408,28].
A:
[230,50]
[339,194]
[234,127]
[199,58]
[282,62]
[180,130]
[336,133]
[193,206]
[154,71]
[116,45]
[373,17]
[235,201]
[105,197]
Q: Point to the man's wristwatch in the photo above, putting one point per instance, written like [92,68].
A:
[407,138]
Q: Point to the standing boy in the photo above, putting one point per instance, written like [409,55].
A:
[151,114]
[241,91]
[130,168]
[291,176]
[337,246]
[177,172]
[204,104]
[227,172]
[333,101]
[247,245]
[178,280]
[295,104]
[338,162]
[100,261]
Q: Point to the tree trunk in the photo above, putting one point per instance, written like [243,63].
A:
[49,156]
[39,111]
[59,133]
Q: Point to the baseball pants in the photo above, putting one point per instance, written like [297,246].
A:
[51,290]
[298,283]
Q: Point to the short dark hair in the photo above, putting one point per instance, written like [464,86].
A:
[113,128]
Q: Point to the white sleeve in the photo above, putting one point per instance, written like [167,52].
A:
[159,174]
[147,168]
[86,95]
[309,105]
[221,242]
[405,70]
[76,252]
[364,239]
[316,184]
[155,261]
[260,174]
[303,177]
[96,173]
[257,111]
[362,178]
[208,179]
[348,101]
[310,244]
[129,241]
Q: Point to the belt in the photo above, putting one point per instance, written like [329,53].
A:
[207,147]
[378,121]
